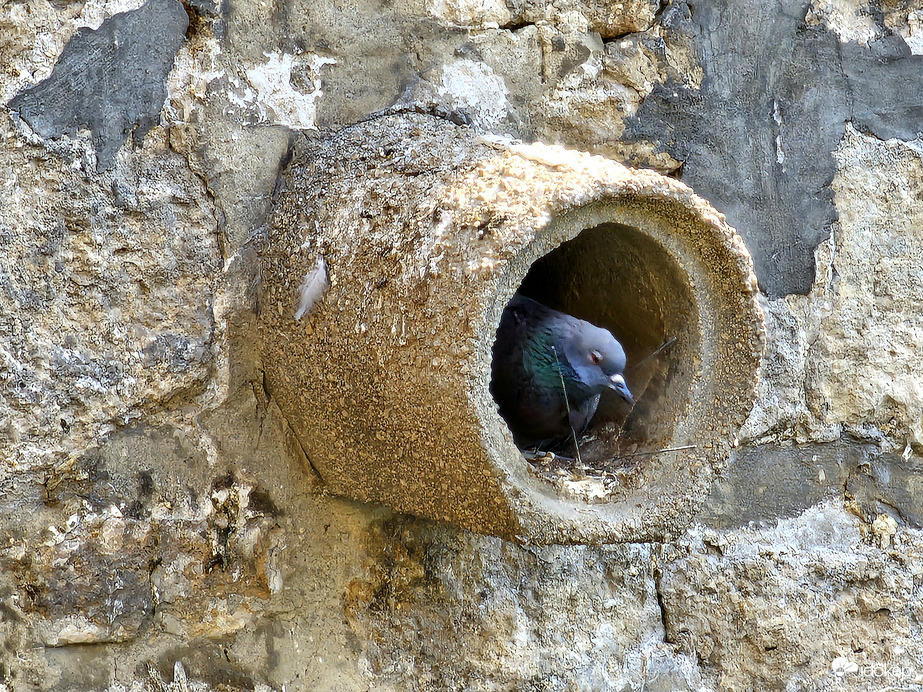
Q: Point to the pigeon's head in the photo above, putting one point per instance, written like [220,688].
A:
[598,359]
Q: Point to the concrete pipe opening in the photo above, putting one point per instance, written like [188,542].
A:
[616,277]
[393,249]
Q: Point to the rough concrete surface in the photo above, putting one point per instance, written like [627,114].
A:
[161,528]
[388,301]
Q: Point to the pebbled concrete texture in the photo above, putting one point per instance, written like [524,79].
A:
[161,527]
[389,302]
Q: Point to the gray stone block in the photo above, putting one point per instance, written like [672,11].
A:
[111,81]
[758,138]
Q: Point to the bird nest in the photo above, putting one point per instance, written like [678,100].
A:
[393,249]
[619,278]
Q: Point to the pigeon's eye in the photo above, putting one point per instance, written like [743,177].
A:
[596,357]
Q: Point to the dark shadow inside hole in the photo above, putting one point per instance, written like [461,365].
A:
[616,277]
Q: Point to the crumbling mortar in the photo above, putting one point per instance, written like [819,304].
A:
[620,37]
[657,573]
[664,4]
[151,568]
[417,107]
[220,218]
[264,397]
[514,26]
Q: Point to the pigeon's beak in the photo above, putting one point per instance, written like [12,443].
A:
[617,382]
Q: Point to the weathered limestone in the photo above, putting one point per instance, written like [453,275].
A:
[160,527]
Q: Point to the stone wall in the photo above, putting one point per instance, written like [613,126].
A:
[161,528]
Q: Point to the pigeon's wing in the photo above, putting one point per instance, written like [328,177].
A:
[581,414]
[510,381]
[532,408]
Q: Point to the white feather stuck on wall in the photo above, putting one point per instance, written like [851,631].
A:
[312,288]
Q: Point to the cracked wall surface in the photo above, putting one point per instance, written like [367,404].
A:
[160,526]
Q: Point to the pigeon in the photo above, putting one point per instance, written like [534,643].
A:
[538,353]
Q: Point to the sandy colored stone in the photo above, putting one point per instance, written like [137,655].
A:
[608,19]
[864,368]
[844,357]
[132,387]
[441,609]
[595,89]
[774,608]
[99,318]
